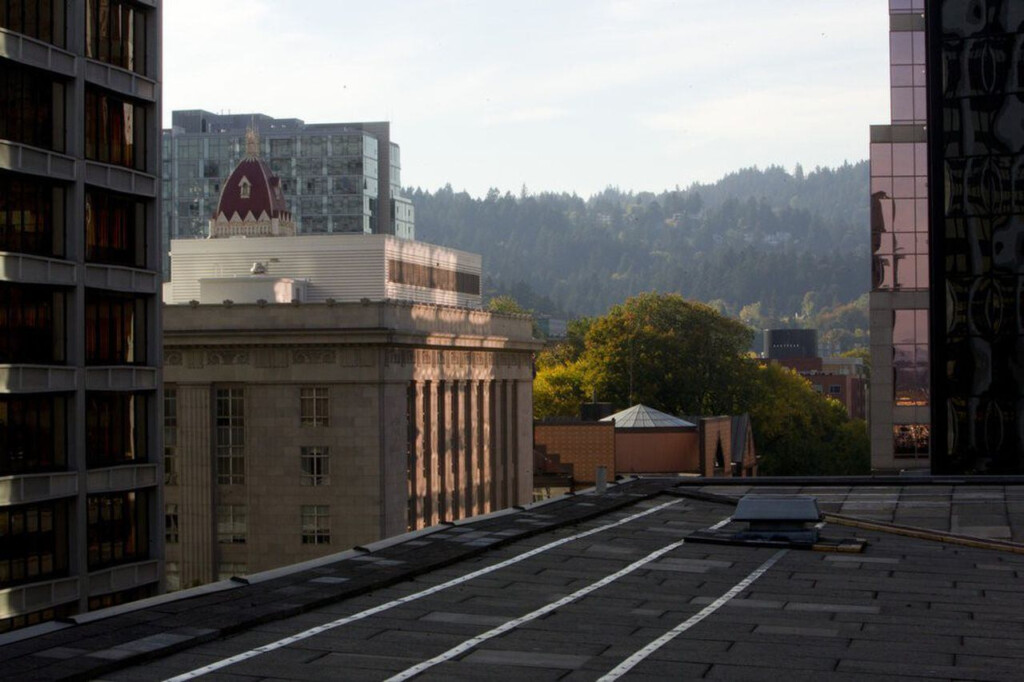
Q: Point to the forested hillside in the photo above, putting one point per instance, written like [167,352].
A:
[756,236]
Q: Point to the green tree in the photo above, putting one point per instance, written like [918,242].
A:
[664,351]
[559,390]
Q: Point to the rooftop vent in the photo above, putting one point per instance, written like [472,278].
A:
[776,521]
[791,519]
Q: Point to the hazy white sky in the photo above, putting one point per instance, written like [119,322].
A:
[560,95]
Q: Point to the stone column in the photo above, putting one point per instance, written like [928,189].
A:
[196,488]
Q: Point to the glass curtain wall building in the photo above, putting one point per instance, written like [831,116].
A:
[900,415]
[976,149]
[336,177]
[80,342]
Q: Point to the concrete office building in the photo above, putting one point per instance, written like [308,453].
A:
[326,391]
[336,177]
[80,345]
[899,402]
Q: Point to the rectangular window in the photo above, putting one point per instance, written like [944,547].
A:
[31,107]
[231,524]
[117,527]
[115,328]
[115,428]
[316,525]
[115,33]
[115,229]
[230,435]
[33,433]
[428,276]
[31,324]
[171,523]
[835,389]
[33,542]
[911,440]
[39,19]
[228,569]
[314,405]
[115,130]
[170,436]
[31,216]
[316,466]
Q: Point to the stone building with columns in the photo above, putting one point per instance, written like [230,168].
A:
[318,406]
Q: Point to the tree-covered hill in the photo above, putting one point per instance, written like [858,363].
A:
[756,236]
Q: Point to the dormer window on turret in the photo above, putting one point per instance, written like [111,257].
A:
[244,187]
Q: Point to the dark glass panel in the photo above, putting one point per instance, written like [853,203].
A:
[115,426]
[115,130]
[115,33]
[31,107]
[31,324]
[117,528]
[33,433]
[33,542]
[115,229]
[115,328]
[39,19]
[31,215]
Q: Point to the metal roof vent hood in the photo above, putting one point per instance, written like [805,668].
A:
[790,519]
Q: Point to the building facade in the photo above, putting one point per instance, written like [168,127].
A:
[80,346]
[336,177]
[327,391]
[900,394]
[295,431]
[976,148]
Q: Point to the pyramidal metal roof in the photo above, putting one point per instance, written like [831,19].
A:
[643,417]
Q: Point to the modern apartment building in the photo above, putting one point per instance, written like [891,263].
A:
[899,403]
[976,173]
[336,177]
[80,344]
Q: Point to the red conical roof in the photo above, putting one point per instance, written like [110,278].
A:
[252,188]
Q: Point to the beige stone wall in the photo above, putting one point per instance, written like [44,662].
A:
[427,424]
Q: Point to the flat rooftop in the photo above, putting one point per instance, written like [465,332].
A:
[601,587]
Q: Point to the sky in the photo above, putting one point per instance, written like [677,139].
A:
[553,95]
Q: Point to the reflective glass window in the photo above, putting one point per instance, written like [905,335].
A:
[117,528]
[115,33]
[31,215]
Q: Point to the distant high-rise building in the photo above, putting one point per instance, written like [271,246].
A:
[899,412]
[976,173]
[336,177]
[80,345]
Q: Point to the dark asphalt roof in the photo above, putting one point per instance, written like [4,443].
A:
[572,589]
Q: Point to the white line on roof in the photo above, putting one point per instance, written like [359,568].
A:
[305,634]
[533,615]
[631,662]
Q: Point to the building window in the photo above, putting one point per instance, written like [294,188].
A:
[244,188]
[33,433]
[316,525]
[835,389]
[231,524]
[34,542]
[115,130]
[31,216]
[911,440]
[115,33]
[230,436]
[115,428]
[315,406]
[171,523]
[31,324]
[117,527]
[316,466]
[910,358]
[39,19]
[228,569]
[115,229]
[33,107]
[170,436]
[115,328]
[430,277]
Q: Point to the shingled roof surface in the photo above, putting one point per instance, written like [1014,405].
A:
[601,587]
